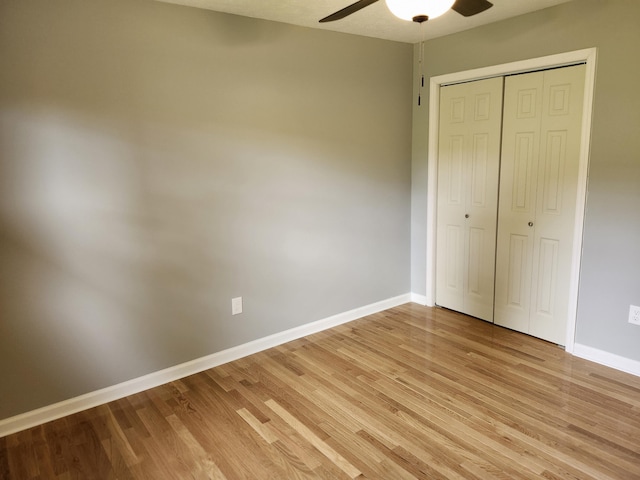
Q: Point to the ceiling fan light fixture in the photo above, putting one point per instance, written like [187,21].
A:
[418,9]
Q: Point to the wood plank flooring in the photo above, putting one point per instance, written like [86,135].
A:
[412,392]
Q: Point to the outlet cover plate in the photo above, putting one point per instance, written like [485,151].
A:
[236,305]
[634,315]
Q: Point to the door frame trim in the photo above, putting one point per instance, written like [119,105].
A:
[587,56]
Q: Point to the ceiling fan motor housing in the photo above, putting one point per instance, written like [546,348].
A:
[416,10]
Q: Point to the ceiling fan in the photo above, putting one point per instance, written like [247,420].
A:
[416,10]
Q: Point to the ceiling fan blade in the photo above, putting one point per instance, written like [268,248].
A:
[346,11]
[469,8]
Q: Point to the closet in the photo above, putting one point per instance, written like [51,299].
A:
[505,215]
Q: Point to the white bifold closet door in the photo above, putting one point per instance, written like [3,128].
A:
[468,169]
[538,187]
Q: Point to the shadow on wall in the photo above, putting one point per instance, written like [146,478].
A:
[149,173]
[102,257]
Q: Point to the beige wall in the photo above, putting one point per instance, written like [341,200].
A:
[609,280]
[157,160]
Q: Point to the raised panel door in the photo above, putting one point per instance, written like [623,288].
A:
[523,98]
[538,188]
[556,203]
[468,169]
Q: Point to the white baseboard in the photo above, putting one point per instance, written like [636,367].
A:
[92,399]
[608,359]
[419,299]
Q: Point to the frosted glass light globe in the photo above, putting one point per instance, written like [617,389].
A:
[408,9]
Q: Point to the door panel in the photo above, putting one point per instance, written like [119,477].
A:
[479,272]
[518,280]
[479,166]
[554,170]
[518,190]
[555,216]
[449,267]
[454,172]
[538,188]
[468,169]
[523,170]
[547,270]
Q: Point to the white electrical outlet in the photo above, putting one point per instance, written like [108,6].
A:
[236,305]
[634,315]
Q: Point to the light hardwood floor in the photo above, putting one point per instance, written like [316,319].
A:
[412,392]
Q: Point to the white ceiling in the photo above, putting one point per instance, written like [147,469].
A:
[373,21]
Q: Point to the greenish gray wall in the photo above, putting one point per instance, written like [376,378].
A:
[609,280]
[158,160]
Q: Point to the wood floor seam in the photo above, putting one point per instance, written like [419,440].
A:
[409,393]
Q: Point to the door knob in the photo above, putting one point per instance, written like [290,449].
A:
[530,224]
